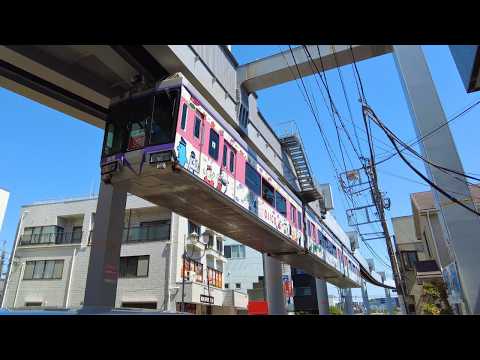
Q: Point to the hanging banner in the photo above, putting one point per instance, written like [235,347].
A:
[454,291]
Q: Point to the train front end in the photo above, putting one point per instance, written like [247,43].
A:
[140,132]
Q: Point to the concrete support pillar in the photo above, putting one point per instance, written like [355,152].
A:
[272,269]
[104,262]
[348,302]
[366,302]
[460,226]
[322,296]
[389,301]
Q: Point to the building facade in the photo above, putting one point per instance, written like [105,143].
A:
[244,272]
[161,263]
[424,253]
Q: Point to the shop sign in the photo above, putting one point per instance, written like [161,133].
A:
[206,299]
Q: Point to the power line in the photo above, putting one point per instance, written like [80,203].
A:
[430,133]
[432,184]
[327,146]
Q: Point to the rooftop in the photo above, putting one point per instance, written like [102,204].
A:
[424,200]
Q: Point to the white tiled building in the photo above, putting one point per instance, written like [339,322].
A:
[50,263]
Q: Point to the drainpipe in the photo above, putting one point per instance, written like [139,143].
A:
[170,255]
[67,301]
[167,305]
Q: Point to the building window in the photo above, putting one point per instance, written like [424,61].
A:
[193,228]
[226,285]
[219,245]
[243,116]
[268,193]
[134,266]
[76,234]
[183,123]
[238,286]
[214,142]
[139,305]
[33,304]
[303,291]
[210,241]
[232,162]
[281,204]
[196,128]
[252,179]
[409,259]
[227,251]
[234,251]
[43,270]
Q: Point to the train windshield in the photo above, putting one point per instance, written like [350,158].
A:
[142,121]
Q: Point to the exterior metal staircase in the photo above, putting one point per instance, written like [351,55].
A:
[292,143]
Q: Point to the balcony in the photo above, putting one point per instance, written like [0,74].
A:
[54,238]
[137,234]
[427,270]
[215,277]
[195,266]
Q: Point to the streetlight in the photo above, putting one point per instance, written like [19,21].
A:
[193,237]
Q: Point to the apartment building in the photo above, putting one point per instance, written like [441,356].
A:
[161,263]
[423,251]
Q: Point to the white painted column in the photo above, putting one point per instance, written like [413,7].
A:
[274,285]
[461,227]
[348,302]
[366,302]
[322,296]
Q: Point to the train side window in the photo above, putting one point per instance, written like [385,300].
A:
[214,142]
[117,121]
[292,213]
[268,192]
[309,229]
[196,128]
[224,160]
[252,179]
[183,123]
[232,161]
[299,219]
[280,204]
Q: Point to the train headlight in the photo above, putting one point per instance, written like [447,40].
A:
[109,168]
[160,157]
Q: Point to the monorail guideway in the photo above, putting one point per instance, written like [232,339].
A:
[168,146]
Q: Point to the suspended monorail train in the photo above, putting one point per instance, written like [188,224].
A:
[169,146]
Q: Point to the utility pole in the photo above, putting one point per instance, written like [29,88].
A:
[378,200]
[2,259]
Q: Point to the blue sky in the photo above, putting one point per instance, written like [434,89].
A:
[48,155]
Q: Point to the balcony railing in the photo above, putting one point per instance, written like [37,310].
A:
[57,238]
[215,277]
[146,233]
